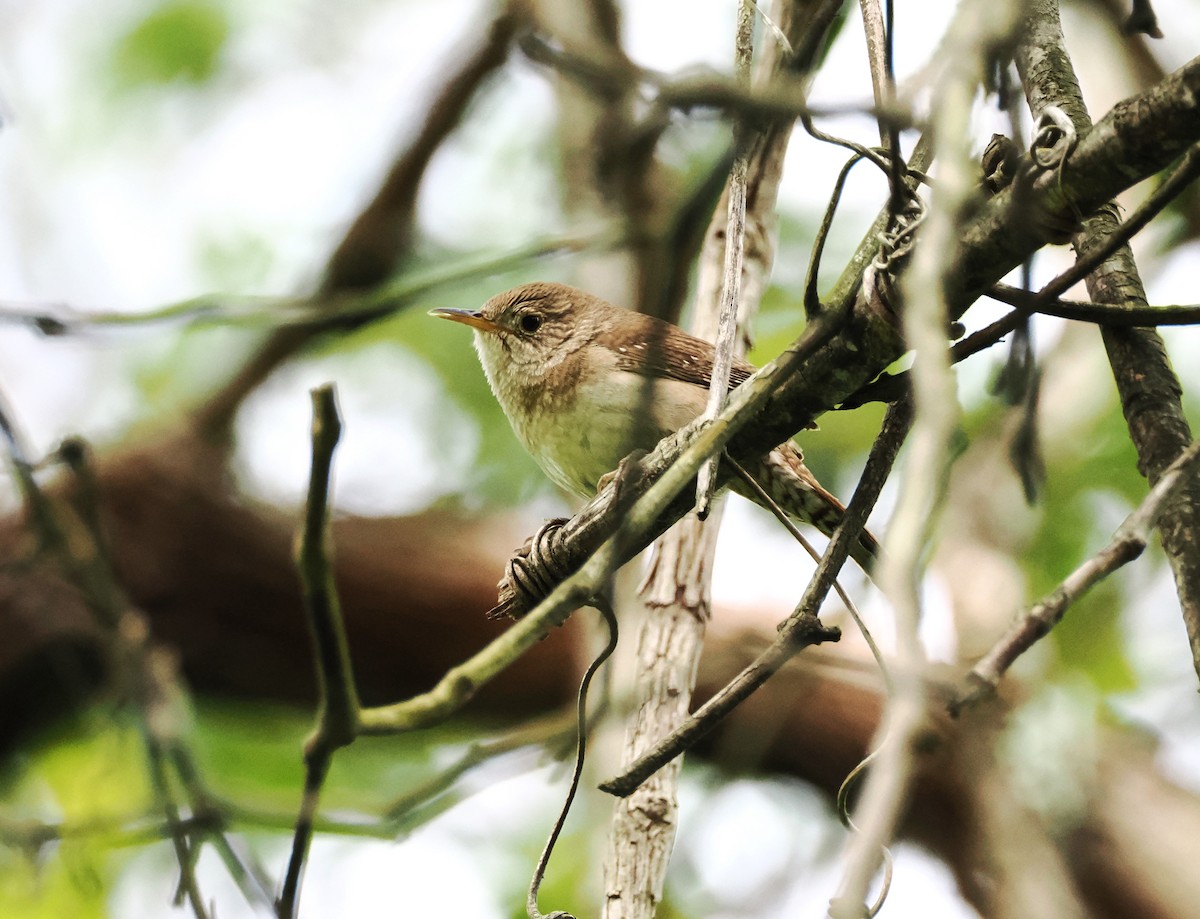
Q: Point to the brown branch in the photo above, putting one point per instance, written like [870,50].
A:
[889,387]
[799,631]
[1126,544]
[380,238]
[996,240]
[1149,389]
[1137,138]
[1112,314]
[606,76]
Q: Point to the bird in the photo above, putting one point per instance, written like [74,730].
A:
[585,383]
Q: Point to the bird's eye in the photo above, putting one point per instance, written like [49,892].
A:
[531,322]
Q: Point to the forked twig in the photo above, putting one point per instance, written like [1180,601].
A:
[338,708]
[800,630]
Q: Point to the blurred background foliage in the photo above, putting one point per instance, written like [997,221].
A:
[134,172]
[173,43]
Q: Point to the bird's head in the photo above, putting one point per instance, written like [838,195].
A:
[527,331]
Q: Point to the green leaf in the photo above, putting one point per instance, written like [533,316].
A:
[180,41]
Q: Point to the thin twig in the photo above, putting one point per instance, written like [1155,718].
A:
[924,319]
[796,534]
[691,91]
[418,804]
[212,820]
[879,27]
[1036,621]
[316,768]
[799,631]
[1112,314]
[51,536]
[812,299]
[325,313]
[1100,251]
[877,57]
[581,721]
[153,690]
[337,715]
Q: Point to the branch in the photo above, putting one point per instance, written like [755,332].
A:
[317,314]
[732,274]
[1112,314]
[888,387]
[337,719]
[1137,138]
[337,713]
[800,630]
[1149,389]
[1035,622]
[734,237]
[782,99]
[675,594]
[926,315]
[791,392]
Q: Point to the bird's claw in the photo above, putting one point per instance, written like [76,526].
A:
[628,472]
[534,568]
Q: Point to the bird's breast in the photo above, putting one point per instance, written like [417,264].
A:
[582,432]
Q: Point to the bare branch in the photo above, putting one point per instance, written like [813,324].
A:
[1120,313]
[1149,389]
[799,631]
[978,26]
[1035,622]
[1113,314]
[337,712]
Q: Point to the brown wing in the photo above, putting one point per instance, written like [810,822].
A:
[655,348]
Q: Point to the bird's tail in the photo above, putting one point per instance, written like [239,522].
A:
[784,477]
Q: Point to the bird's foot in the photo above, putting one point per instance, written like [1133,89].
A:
[628,472]
[533,570]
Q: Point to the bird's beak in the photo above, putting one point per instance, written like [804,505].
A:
[473,318]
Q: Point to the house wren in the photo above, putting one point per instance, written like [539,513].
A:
[584,383]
